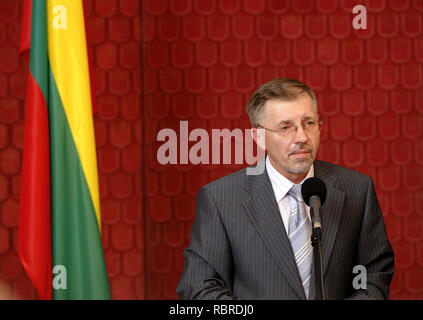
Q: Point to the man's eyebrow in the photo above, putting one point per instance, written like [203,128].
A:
[284,122]
[306,117]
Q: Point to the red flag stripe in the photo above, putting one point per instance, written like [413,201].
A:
[34,242]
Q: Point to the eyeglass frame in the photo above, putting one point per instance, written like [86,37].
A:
[319,123]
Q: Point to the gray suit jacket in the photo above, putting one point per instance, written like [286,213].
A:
[239,247]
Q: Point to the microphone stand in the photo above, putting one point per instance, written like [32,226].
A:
[317,253]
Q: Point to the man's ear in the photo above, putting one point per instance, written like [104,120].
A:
[259,136]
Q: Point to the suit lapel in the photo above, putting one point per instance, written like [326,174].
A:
[264,213]
[331,210]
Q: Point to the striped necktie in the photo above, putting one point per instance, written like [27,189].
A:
[300,237]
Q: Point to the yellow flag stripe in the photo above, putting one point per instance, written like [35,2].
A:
[68,57]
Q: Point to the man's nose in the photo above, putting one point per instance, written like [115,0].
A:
[300,135]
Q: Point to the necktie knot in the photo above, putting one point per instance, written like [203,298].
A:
[295,191]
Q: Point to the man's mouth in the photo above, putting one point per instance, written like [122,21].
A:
[300,152]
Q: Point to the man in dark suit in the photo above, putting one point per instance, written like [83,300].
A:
[251,235]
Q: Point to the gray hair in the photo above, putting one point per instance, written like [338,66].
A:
[284,89]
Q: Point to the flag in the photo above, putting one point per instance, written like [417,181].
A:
[59,240]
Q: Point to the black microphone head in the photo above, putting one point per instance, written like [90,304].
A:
[313,187]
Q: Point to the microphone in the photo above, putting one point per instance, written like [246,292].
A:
[313,191]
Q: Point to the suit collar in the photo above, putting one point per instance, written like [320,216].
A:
[323,171]
[263,211]
[331,210]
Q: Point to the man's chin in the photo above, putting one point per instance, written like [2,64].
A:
[303,167]
[299,171]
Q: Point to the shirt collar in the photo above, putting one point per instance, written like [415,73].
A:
[281,185]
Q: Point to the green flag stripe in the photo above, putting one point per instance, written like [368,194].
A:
[38,54]
[76,238]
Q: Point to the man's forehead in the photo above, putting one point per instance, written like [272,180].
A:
[279,112]
[302,98]
[303,106]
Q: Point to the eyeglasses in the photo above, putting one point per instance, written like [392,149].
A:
[288,128]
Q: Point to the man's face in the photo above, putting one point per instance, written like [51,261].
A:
[291,154]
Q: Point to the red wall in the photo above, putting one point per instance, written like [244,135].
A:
[157,62]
